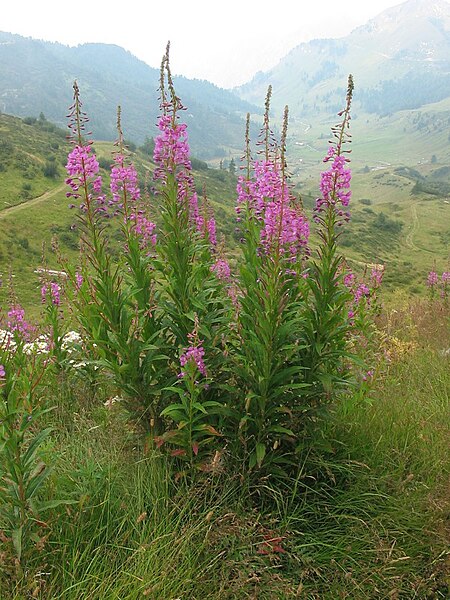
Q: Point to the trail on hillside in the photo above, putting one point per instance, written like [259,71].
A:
[24,205]
[409,242]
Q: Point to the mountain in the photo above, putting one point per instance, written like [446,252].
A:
[400,60]
[37,76]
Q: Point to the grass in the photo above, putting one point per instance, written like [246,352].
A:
[365,518]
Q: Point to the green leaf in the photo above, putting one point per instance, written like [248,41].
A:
[260,453]
[43,506]
[174,414]
[36,479]
[177,390]
[280,429]
[29,454]
[16,536]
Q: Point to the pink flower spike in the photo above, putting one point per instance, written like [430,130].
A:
[78,280]
[222,269]
[432,279]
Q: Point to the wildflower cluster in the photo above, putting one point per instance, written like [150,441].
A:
[18,325]
[222,269]
[171,153]
[83,170]
[123,181]
[82,165]
[335,186]
[54,289]
[274,332]
[264,196]
[364,292]
[194,353]
[171,156]
[439,284]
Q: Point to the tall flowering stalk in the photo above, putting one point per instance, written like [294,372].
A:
[22,435]
[51,300]
[363,337]
[116,301]
[275,237]
[186,265]
[327,322]
[187,239]
[437,283]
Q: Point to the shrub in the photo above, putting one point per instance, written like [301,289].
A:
[50,169]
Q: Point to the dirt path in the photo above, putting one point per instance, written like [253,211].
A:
[409,240]
[24,205]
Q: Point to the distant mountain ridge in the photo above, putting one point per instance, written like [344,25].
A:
[399,60]
[37,76]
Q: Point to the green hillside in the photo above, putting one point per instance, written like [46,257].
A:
[400,210]
[34,208]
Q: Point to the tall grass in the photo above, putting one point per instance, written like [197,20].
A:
[366,516]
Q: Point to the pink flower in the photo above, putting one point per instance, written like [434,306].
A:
[335,186]
[267,197]
[78,280]
[124,180]
[171,147]
[432,279]
[193,354]
[377,276]
[284,228]
[17,323]
[211,228]
[368,375]
[82,166]
[171,155]
[81,162]
[222,269]
[349,280]
[144,228]
[54,293]
[362,291]
[2,372]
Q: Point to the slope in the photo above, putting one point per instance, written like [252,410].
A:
[37,76]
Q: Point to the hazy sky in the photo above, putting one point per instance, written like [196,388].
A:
[225,42]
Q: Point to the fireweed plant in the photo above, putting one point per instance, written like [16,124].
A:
[114,301]
[138,313]
[438,285]
[269,317]
[203,359]
[54,321]
[327,319]
[22,435]
[191,297]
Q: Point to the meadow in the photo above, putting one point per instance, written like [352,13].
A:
[192,417]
